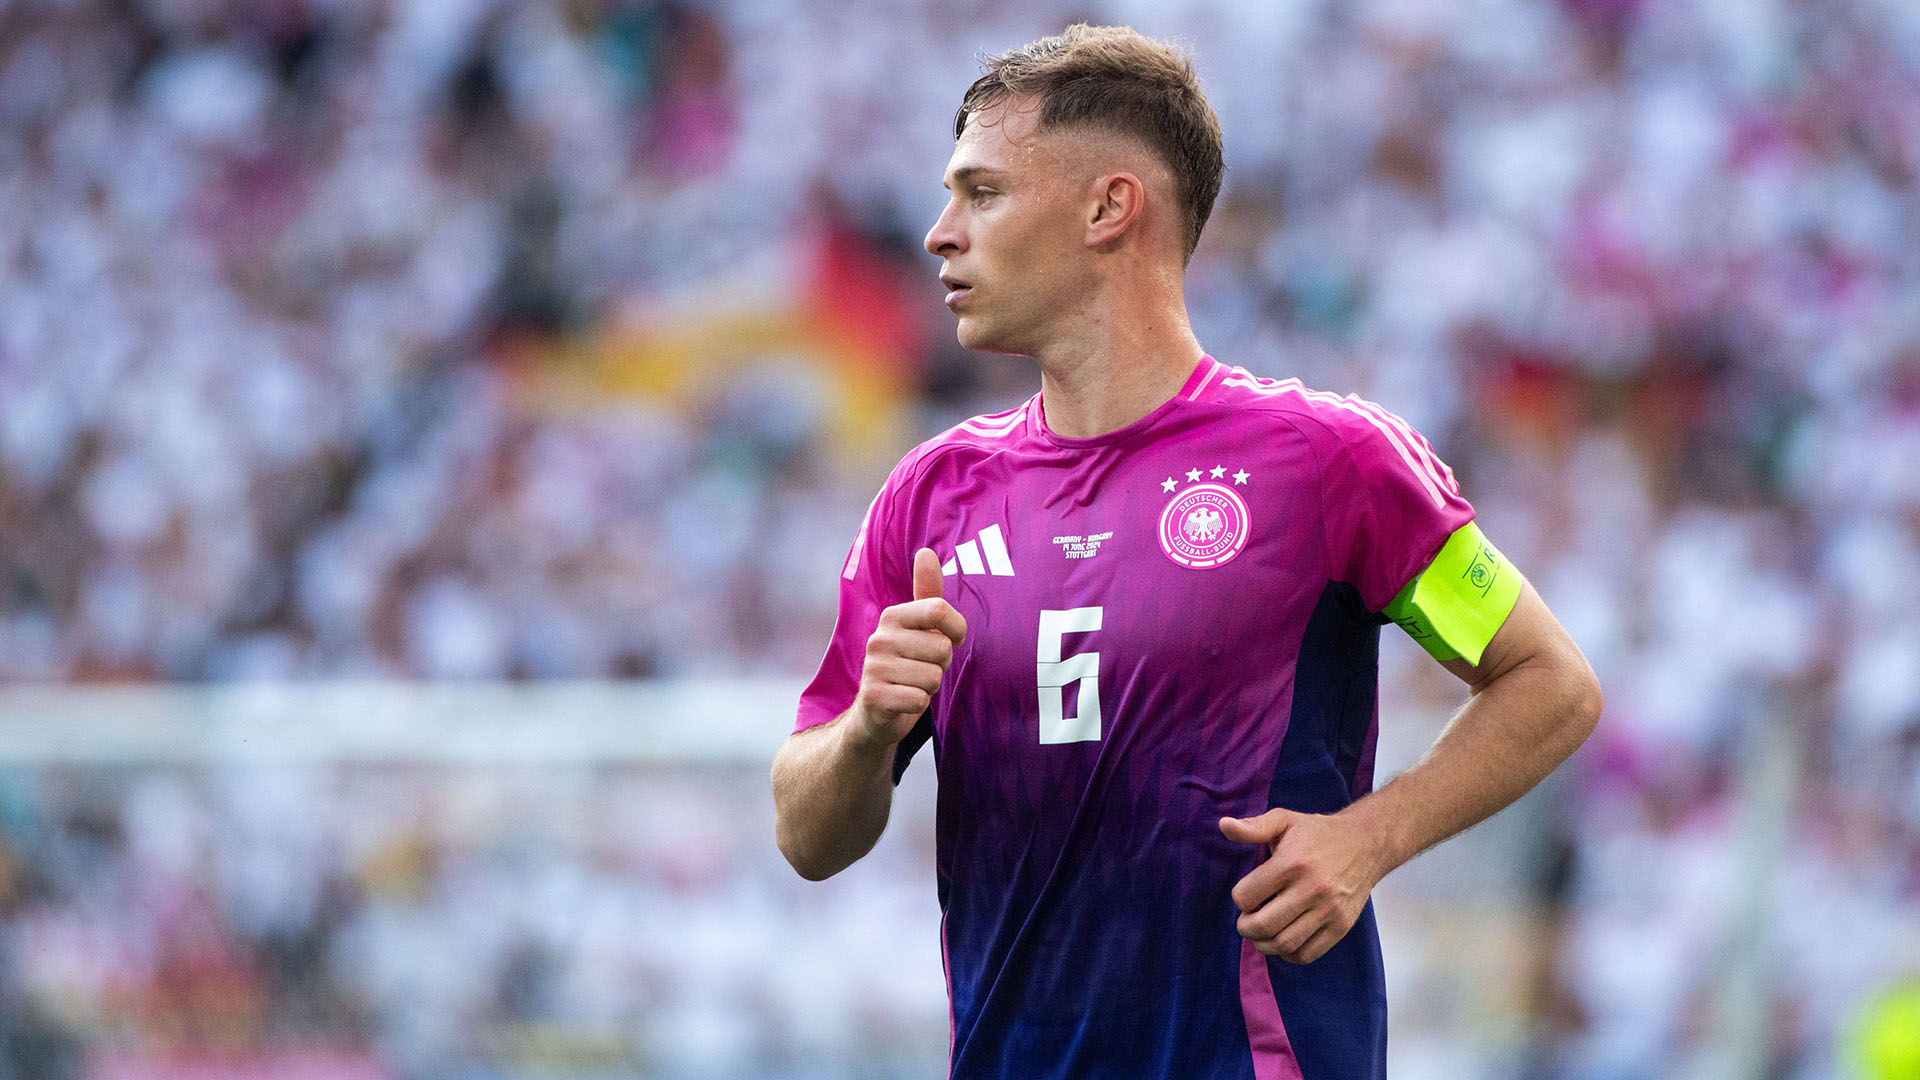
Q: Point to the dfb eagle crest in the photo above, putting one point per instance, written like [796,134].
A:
[1206,525]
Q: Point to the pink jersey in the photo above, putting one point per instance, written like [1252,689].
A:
[1167,624]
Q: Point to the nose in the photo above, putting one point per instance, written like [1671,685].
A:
[946,237]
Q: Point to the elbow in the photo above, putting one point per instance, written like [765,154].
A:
[793,851]
[792,848]
[790,845]
[804,856]
[1587,703]
[811,872]
[808,864]
[804,853]
[819,826]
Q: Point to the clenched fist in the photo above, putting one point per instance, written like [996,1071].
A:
[907,654]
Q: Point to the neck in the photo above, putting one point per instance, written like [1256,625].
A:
[1117,361]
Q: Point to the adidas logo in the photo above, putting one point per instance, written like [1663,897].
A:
[967,557]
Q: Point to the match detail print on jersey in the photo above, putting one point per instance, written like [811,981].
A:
[1455,606]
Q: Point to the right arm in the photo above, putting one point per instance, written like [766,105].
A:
[832,790]
[833,784]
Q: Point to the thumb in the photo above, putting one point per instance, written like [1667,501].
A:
[1263,829]
[926,574]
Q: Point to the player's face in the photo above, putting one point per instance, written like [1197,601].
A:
[1011,236]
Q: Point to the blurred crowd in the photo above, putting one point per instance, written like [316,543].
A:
[387,921]
[490,340]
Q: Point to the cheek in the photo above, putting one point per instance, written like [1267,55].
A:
[1038,249]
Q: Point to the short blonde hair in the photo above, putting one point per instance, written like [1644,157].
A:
[1115,79]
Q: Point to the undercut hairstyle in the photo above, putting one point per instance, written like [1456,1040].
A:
[1117,80]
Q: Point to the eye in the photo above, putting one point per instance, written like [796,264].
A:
[981,195]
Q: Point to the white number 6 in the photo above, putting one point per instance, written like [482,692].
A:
[1056,674]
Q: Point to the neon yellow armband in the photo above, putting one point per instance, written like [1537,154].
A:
[1457,603]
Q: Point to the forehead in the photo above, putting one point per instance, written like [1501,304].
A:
[1000,137]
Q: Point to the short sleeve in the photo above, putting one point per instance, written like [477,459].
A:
[868,585]
[1389,502]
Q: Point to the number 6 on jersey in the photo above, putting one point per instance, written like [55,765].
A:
[1056,674]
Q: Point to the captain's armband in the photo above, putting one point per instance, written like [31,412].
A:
[1457,603]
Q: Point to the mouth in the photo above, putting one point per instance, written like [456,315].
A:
[957,290]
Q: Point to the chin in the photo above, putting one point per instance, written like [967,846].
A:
[976,336]
[971,338]
[973,335]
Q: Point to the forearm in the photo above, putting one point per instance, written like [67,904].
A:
[1510,734]
[831,798]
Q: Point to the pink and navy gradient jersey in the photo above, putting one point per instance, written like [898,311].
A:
[1167,624]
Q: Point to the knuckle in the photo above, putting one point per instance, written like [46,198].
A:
[1300,935]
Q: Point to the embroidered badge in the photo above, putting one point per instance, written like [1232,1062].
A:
[1204,526]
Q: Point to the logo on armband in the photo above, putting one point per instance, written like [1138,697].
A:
[1485,567]
[1206,525]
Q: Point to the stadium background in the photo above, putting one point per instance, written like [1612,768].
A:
[429,433]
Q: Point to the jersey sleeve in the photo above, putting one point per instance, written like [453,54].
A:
[1390,503]
[870,581]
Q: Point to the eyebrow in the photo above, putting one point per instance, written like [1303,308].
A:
[968,174]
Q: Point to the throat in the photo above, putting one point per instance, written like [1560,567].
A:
[1097,398]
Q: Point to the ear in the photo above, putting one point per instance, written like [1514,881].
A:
[1116,203]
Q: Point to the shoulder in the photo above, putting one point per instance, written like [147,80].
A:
[968,441]
[1345,430]
[1320,415]
[907,485]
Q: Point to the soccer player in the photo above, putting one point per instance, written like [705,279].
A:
[1138,618]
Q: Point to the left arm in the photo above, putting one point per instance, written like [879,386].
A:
[1533,701]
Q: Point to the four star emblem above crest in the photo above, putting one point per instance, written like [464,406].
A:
[1217,472]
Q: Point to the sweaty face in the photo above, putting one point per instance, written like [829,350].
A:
[1011,236]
